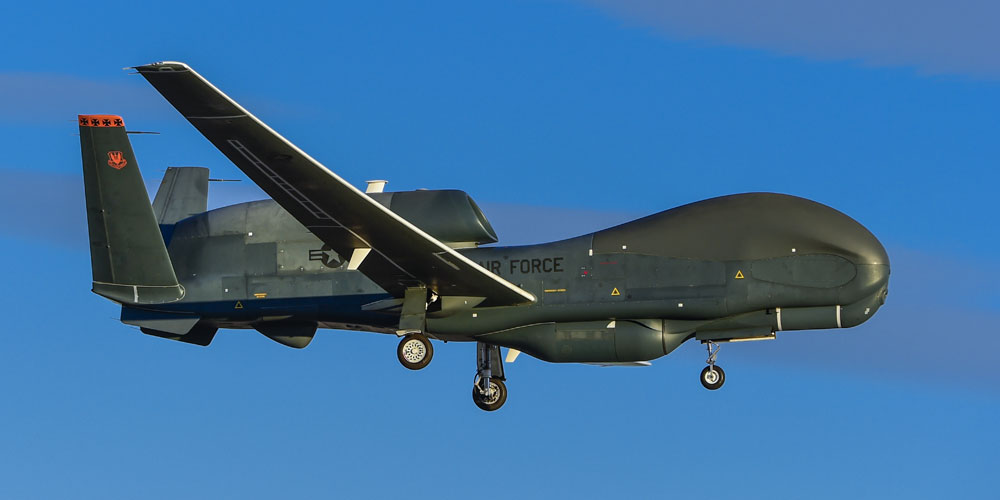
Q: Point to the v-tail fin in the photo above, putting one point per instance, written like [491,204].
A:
[129,259]
[183,192]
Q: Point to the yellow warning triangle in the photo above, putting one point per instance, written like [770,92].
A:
[239,305]
[739,275]
[615,292]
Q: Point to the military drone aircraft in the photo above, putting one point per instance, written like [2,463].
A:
[323,254]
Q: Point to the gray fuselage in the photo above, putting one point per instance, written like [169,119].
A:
[729,268]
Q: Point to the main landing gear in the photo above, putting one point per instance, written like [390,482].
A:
[415,351]
[488,390]
[712,377]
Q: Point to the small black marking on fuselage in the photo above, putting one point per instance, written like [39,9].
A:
[327,257]
[526,266]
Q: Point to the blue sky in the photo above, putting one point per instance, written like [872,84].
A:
[572,115]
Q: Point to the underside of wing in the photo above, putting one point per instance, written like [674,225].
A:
[392,252]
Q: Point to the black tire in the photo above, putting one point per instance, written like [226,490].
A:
[409,352]
[706,379]
[494,403]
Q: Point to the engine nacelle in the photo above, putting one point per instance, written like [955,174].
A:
[449,215]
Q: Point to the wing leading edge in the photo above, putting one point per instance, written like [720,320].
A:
[393,253]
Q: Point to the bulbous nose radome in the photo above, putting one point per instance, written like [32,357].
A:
[871,260]
[871,283]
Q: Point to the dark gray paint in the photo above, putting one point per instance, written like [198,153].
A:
[183,192]
[128,256]
[674,297]
[735,267]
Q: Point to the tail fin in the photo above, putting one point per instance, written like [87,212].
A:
[183,193]
[127,254]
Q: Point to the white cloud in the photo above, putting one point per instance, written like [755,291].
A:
[957,36]
[48,98]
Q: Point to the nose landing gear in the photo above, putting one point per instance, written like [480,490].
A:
[712,377]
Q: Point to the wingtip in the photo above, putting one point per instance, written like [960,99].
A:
[160,66]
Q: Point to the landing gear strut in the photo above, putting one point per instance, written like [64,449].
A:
[488,390]
[415,351]
[712,377]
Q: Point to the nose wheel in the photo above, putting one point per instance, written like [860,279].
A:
[712,377]
[415,351]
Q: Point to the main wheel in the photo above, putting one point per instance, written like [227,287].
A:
[415,351]
[494,399]
[712,377]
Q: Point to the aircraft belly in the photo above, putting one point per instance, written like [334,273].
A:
[487,320]
[339,309]
[622,341]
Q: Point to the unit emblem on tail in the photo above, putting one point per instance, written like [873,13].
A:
[116,160]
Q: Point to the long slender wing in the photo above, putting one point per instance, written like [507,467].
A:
[396,254]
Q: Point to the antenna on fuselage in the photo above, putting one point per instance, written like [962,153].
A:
[375,186]
[209,180]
